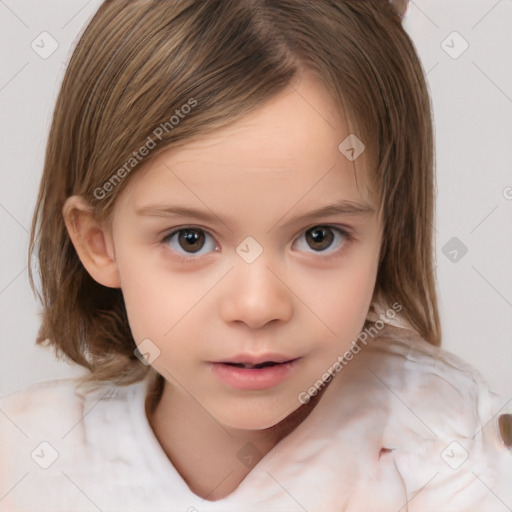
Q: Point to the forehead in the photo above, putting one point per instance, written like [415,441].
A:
[287,148]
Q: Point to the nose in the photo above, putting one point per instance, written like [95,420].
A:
[256,295]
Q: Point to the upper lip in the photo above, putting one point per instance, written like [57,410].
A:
[257,359]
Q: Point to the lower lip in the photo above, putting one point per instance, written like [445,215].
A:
[254,378]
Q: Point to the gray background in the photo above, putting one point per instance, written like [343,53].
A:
[472,99]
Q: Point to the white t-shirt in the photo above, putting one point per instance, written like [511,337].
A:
[404,426]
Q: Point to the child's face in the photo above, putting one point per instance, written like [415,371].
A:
[304,298]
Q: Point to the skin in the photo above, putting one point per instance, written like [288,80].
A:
[299,298]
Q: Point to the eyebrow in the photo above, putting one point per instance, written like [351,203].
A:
[343,207]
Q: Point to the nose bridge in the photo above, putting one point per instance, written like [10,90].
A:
[257,277]
[256,295]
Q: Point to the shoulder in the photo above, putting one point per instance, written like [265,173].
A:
[450,394]
[446,430]
[54,408]
[33,425]
[43,403]
[59,431]
[55,400]
[51,412]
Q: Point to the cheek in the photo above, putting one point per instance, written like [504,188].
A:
[159,301]
[145,295]
[340,299]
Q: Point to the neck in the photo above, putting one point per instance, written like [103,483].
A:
[211,458]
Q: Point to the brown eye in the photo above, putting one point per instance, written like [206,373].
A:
[319,238]
[190,242]
[323,240]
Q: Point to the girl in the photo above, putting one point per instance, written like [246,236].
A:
[234,233]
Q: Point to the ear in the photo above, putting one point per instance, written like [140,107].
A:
[92,241]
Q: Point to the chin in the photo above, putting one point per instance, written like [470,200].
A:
[245,422]
[256,419]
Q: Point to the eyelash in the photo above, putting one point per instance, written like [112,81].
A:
[347,236]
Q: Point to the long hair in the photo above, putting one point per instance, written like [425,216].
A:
[158,73]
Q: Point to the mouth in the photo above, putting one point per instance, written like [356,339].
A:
[255,375]
[257,360]
[265,364]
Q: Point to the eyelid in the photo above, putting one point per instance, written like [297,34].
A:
[181,257]
[349,230]
[346,234]
[171,231]
[346,231]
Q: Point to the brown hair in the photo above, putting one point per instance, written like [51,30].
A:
[136,67]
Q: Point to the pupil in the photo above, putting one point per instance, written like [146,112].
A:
[321,236]
[191,239]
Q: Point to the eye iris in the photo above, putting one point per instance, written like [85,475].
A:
[191,239]
[321,236]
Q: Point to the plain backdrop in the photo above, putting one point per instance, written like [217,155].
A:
[466,49]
